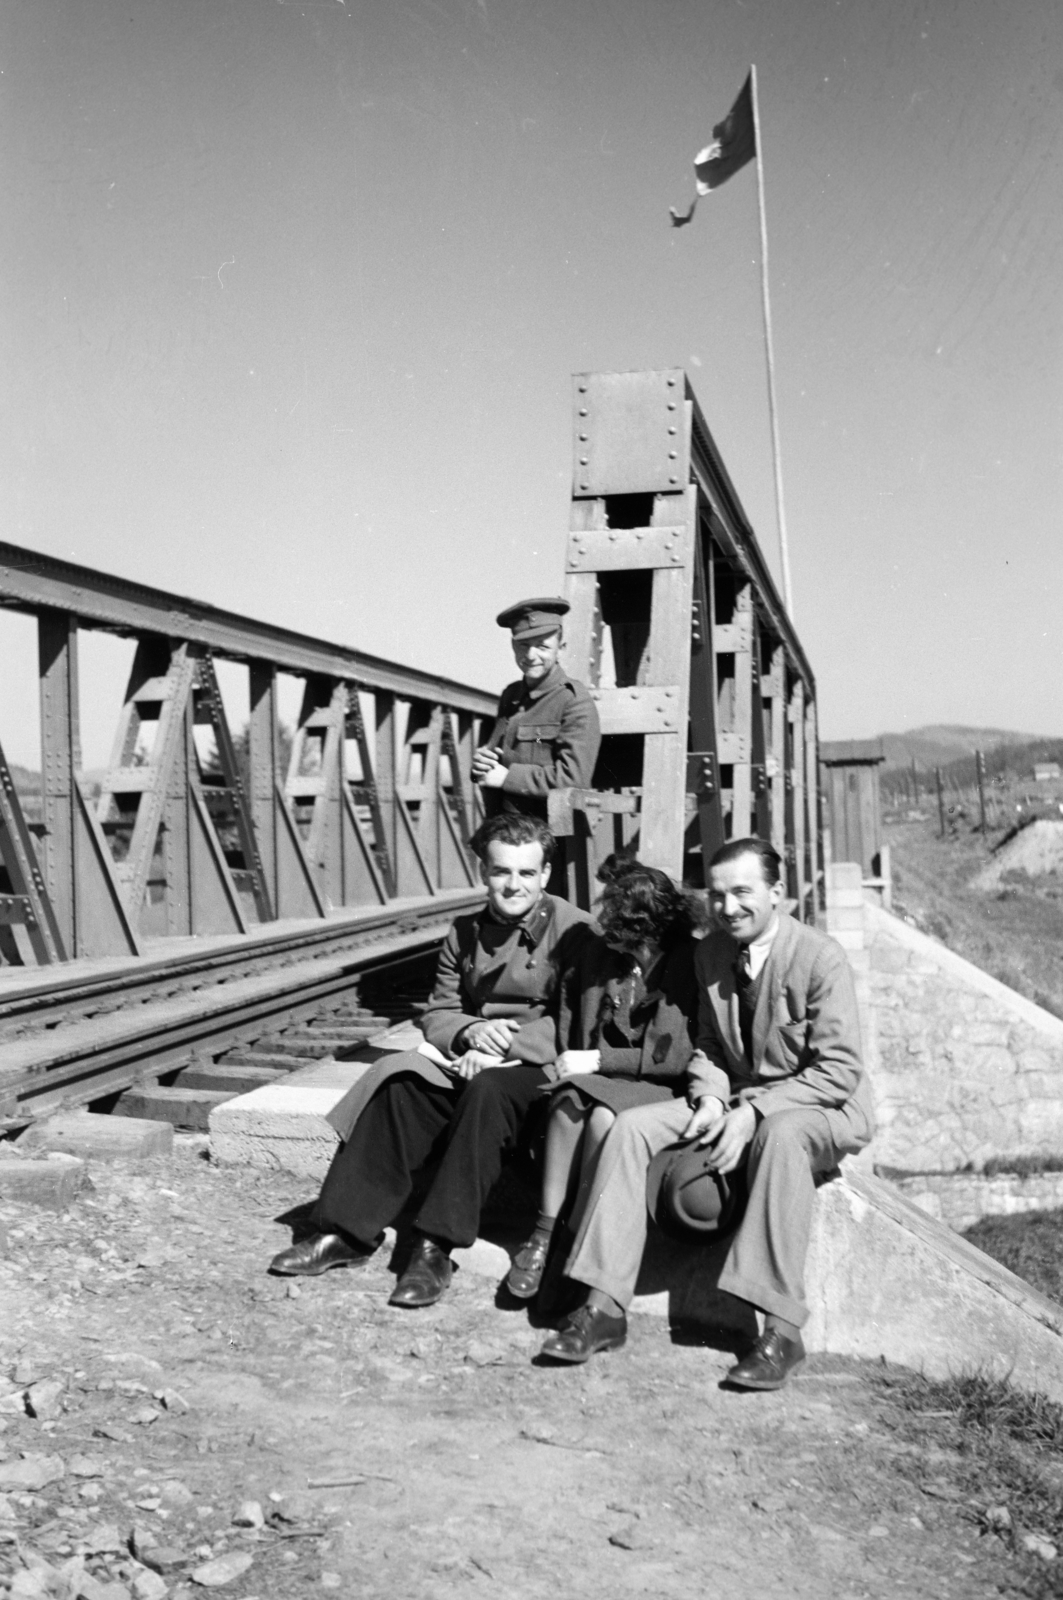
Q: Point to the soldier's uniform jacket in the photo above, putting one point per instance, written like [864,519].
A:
[549,737]
[490,969]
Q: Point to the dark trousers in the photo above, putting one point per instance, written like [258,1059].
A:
[455,1137]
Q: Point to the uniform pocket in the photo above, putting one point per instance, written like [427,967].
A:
[536,732]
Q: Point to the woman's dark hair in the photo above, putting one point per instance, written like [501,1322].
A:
[641,904]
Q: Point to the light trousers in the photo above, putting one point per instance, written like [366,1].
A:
[765,1262]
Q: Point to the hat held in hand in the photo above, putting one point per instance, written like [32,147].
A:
[684,1195]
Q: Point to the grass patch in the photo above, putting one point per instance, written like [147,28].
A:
[994,1451]
[1029,1244]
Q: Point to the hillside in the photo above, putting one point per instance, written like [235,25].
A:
[940,743]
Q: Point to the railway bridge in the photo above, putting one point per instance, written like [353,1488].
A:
[209,932]
[209,855]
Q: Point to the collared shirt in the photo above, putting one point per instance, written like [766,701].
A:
[760,949]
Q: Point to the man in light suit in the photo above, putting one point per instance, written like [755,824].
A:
[776,1094]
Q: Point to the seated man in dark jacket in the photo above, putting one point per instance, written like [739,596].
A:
[491,1028]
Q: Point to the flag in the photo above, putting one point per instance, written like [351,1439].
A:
[734,142]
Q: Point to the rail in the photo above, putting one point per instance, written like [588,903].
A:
[373,804]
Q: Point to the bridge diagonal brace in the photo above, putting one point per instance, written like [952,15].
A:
[29,904]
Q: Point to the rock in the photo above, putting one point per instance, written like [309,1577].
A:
[331,1580]
[633,1537]
[43,1399]
[163,1558]
[1035,1545]
[33,1472]
[26,1372]
[146,1415]
[28,1585]
[173,1401]
[85,1466]
[223,1569]
[102,1540]
[141,1540]
[92,1588]
[13,1404]
[293,1291]
[999,1519]
[249,1515]
[175,1494]
[148,1585]
[481,1354]
[107,1430]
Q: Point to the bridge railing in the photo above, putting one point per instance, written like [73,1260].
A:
[373,802]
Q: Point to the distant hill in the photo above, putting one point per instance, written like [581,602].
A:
[942,743]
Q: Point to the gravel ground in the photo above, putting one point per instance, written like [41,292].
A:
[175,1383]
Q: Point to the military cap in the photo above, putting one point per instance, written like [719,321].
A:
[683,1194]
[534,619]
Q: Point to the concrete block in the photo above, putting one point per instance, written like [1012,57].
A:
[844,918]
[182,1108]
[49,1181]
[228,1079]
[843,875]
[98,1138]
[283,1124]
[848,938]
[845,897]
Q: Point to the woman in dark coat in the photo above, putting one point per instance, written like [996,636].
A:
[627,1020]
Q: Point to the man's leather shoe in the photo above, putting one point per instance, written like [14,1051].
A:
[769,1363]
[583,1333]
[426,1278]
[526,1273]
[317,1254]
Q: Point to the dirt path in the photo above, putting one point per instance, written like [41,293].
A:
[634,1475]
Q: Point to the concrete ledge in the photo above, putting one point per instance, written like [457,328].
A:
[959,1199]
[50,1181]
[884,1280]
[98,1138]
[283,1124]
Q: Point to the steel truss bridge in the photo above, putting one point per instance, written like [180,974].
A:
[352,829]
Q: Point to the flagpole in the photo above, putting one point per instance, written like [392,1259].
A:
[784,548]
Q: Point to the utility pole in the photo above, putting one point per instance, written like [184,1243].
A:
[979,766]
[915,783]
[941,799]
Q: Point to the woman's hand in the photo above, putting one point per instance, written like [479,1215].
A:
[705,1119]
[576,1063]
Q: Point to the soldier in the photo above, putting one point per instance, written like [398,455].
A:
[546,735]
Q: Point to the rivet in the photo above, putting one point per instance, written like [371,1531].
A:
[583,463]
[671,383]
[582,388]
[672,454]
[583,411]
[671,405]
[583,438]
[672,479]
[673,430]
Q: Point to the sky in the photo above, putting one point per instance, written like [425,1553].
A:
[292,293]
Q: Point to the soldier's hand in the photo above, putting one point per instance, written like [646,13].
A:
[492,777]
[730,1143]
[706,1119]
[484,759]
[492,1035]
[574,1063]
[473,1062]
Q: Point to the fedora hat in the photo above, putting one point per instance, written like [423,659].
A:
[684,1195]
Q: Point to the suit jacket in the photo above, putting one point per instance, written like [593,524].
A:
[485,971]
[591,990]
[806,1029]
[549,737]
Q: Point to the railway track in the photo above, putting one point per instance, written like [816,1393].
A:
[215,1020]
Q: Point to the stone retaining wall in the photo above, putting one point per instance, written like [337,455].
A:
[964,1068]
[959,1199]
